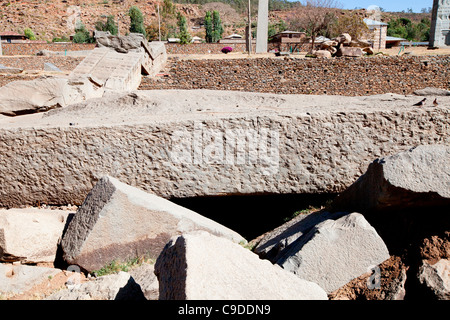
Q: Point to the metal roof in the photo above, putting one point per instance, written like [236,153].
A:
[371,22]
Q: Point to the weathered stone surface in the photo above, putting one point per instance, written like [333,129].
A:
[344,38]
[436,278]
[120,222]
[9,70]
[322,54]
[121,44]
[15,279]
[120,286]
[321,144]
[203,266]
[145,277]
[335,252]
[48,66]
[40,94]
[430,91]
[31,235]
[415,178]
[349,52]
[277,241]
[327,44]
[384,282]
[111,70]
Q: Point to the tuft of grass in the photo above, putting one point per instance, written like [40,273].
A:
[116,266]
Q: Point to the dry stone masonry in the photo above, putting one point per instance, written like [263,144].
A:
[338,76]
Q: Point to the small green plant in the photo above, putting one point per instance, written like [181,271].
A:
[309,210]
[116,266]
[29,34]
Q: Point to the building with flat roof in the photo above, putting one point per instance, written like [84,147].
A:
[378,33]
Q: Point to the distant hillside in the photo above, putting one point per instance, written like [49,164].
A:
[50,19]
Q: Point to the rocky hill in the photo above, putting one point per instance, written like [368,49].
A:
[50,19]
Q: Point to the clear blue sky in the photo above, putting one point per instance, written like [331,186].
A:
[388,5]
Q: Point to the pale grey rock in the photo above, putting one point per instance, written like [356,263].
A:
[436,277]
[321,144]
[16,279]
[274,243]
[335,252]
[31,235]
[41,94]
[48,66]
[430,91]
[119,286]
[344,39]
[121,44]
[322,54]
[119,222]
[202,266]
[349,52]
[144,276]
[418,177]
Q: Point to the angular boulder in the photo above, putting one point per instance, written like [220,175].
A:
[35,95]
[436,278]
[335,252]
[15,279]
[119,286]
[31,235]
[202,266]
[322,54]
[419,177]
[349,52]
[274,243]
[118,222]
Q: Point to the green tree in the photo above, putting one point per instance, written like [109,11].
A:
[29,34]
[275,28]
[110,25]
[352,24]
[136,20]
[405,28]
[82,35]
[183,34]
[217,26]
[208,27]
[168,8]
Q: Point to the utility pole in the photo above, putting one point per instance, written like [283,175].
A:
[249,30]
[159,25]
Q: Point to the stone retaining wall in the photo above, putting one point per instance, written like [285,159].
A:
[341,76]
[30,49]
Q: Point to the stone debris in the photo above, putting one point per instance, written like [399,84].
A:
[119,222]
[31,235]
[202,266]
[119,286]
[348,244]
[16,279]
[116,66]
[410,179]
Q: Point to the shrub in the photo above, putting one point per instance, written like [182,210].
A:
[29,34]
[227,49]
[136,20]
